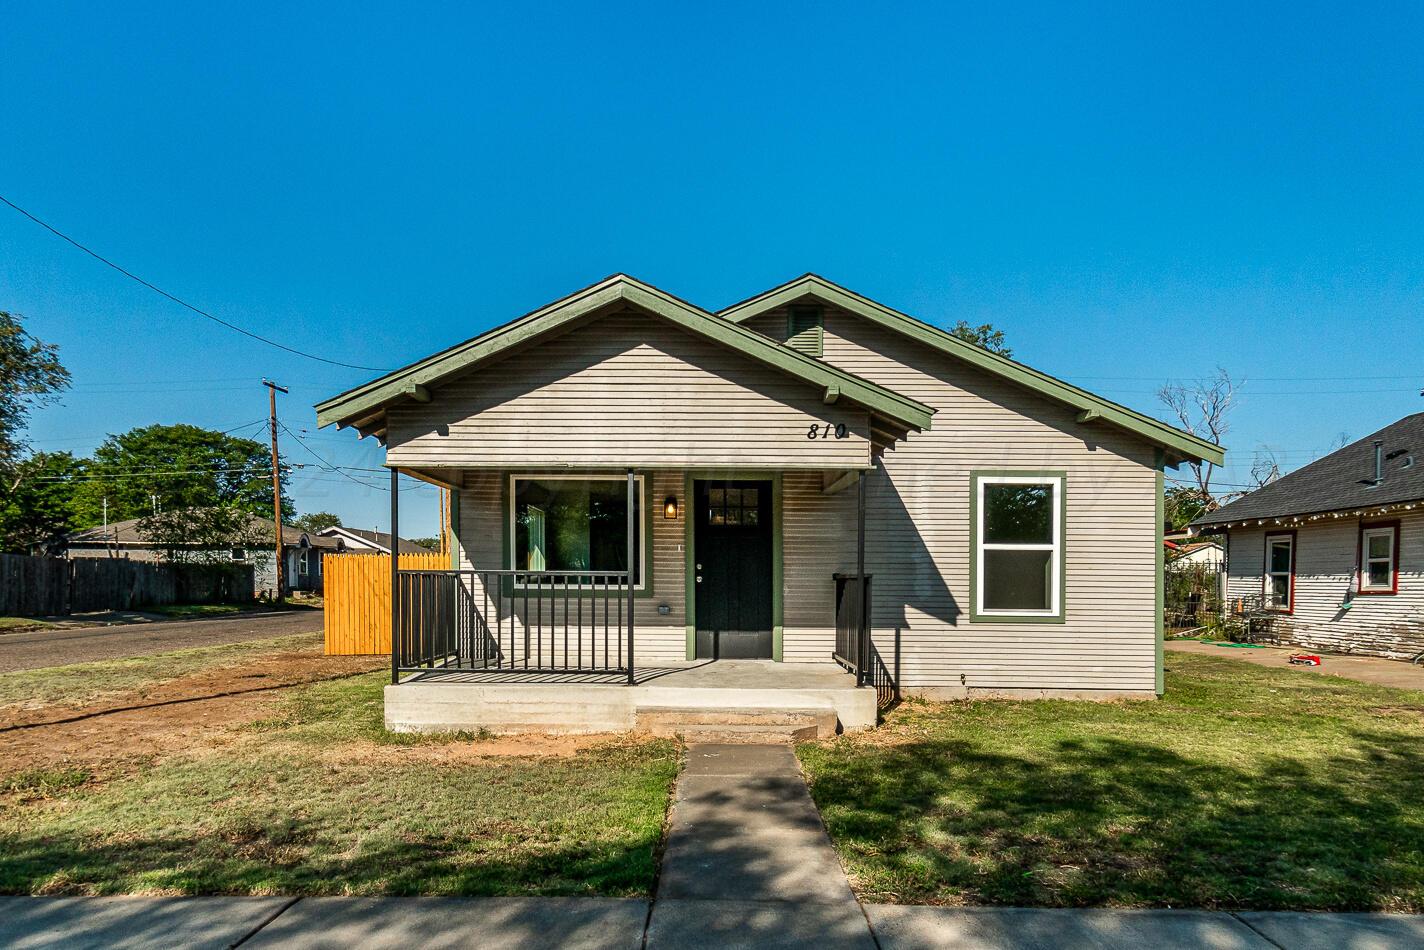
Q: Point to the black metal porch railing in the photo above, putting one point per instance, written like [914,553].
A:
[534,621]
[855,646]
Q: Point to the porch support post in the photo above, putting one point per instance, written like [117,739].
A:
[862,642]
[632,536]
[395,576]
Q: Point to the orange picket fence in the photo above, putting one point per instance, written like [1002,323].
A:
[358,599]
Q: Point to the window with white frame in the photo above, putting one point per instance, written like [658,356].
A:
[1278,590]
[1019,546]
[1378,544]
[574,524]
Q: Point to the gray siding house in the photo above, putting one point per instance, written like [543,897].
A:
[805,482]
[1335,550]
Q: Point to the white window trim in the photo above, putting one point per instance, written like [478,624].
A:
[1366,533]
[1056,547]
[641,527]
[1289,575]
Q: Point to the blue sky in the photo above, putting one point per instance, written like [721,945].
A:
[1131,194]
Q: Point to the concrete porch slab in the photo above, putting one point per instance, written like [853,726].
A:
[503,701]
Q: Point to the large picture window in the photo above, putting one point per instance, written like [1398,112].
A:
[1018,553]
[1278,591]
[575,524]
[1379,555]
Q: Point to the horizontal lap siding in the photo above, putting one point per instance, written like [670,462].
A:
[917,527]
[1327,552]
[624,390]
[659,638]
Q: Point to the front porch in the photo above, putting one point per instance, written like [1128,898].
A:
[695,697]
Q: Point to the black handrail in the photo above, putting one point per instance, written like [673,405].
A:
[526,621]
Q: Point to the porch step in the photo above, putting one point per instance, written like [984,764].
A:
[742,724]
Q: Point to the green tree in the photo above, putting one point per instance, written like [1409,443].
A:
[316,521]
[984,336]
[37,505]
[30,375]
[176,467]
[1183,504]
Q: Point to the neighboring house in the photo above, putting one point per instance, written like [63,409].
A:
[1010,523]
[1195,553]
[303,552]
[358,540]
[1335,549]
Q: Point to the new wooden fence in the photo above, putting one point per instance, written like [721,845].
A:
[357,599]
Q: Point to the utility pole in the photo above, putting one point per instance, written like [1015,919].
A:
[272,390]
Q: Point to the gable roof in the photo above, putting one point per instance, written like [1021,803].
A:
[1181,446]
[1342,480]
[378,539]
[126,533]
[364,407]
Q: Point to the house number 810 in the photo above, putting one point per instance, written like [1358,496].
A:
[823,430]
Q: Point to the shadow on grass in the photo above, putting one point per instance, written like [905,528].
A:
[278,860]
[1112,820]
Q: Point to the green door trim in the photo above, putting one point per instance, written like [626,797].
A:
[689,564]
[1159,556]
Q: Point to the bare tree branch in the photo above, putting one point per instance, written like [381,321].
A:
[1202,408]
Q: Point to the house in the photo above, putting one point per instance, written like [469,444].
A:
[357,540]
[303,552]
[1207,554]
[805,482]
[1334,551]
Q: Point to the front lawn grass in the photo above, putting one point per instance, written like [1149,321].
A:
[83,683]
[1242,787]
[320,799]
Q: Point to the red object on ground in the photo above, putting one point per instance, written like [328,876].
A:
[1305,659]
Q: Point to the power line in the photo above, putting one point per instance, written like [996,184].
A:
[178,300]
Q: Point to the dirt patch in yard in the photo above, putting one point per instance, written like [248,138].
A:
[493,747]
[188,713]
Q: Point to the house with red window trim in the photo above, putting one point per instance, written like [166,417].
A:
[1336,548]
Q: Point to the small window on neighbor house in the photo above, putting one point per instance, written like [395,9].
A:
[303,561]
[1378,544]
[1019,561]
[1278,590]
[804,330]
[239,554]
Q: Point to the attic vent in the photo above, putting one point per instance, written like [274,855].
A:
[804,330]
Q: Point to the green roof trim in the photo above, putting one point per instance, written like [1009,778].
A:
[361,404]
[1090,407]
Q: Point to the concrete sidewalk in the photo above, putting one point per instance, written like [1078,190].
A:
[505,923]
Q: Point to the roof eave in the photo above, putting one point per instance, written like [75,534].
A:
[1189,448]
[365,402]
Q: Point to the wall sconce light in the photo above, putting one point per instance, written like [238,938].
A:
[670,508]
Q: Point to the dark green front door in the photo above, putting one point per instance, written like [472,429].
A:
[732,558]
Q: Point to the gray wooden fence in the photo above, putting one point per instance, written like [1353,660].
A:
[47,586]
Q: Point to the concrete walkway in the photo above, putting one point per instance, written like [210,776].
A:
[747,864]
[1365,669]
